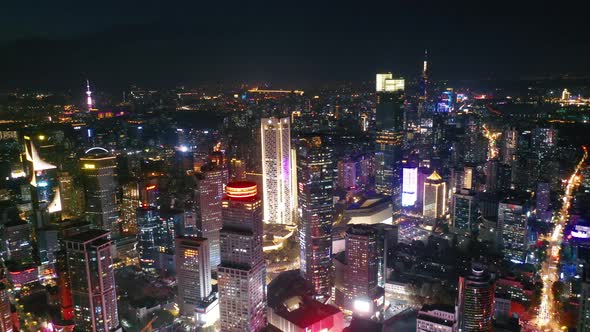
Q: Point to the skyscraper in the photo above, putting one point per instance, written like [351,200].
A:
[90,267]
[100,184]
[389,139]
[435,199]
[208,195]
[45,194]
[242,272]
[316,208]
[193,273]
[5,313]
[149,237]
[410,185]
[362,272]
[464,211]
[476,301]
[513,229]
[276,170]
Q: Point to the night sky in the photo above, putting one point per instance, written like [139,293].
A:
[58,44]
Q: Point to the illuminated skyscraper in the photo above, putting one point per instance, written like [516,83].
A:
[208,195]
[129,204]
[193,273]
[316,208]
[513,229]
[464,211]
[5,313]
[410,185]
[45,194]
[476,301]
[242,273]
[362,271]
[149,237]
[276,170]
[346,174]
[389,139]
[100,185]
[90,267]
[435,197]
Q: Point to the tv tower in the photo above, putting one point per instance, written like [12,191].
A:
[88,95]
[424,80]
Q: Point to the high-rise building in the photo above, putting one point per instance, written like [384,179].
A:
[389,138]
[44,187]
[464,211]
[476,301]
[543,196]
[90,267]
[208,195]
[435,199]
[410,185]
[316,208]
[193,274]
[584,311]
[279,204]
[242,273]
[346,174]
[436,318]
[17,243]
[129,204]
[513,229]
[510,143]
[149,237]
[72,196]
[100,184]
[5,313]
[362,272]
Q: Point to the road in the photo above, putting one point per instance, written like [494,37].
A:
[547,315]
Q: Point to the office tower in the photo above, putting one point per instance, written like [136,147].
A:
[44,187]
[543,142]
[464,211]
[513,229]
[316,209]
[504,179]
[17,243]
[130,202]
[510,143]
[389,138]
[346,174]
[584,311]
[476,301]
[237,170]
[209,188]
[276,170]
[193,273]
[410,185]
[436,318]
[66,229]
[362,272]
[242,273]
[435,199]
[5,312]
[72,196]
[565,95]
[100,185]
[149,238]
[423,174]
[90,267]
[542,197]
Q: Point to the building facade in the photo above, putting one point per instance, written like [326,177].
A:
[242,272]
[476,301]
[90,267]
[279,202]
[316,208]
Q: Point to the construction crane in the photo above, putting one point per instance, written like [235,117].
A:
[148,327]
